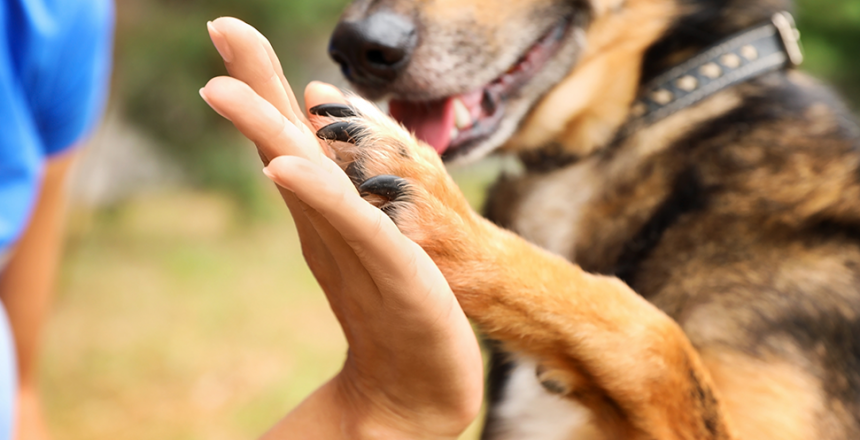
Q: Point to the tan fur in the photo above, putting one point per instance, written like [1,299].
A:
[704,348]
[586,108]
[488,14]
[648,141]
[587,215]
[593,327]
[767,399]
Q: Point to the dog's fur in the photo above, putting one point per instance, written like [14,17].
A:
[716,286]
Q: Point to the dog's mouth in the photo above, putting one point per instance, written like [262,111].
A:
[456,124]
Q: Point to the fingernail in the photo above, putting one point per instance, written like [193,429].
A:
[220,42]
[206,99]
[203,95]
[268,173]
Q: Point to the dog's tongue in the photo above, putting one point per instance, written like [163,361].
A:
[432,122]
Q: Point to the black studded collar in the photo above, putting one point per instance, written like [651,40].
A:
[748,54]
[765,48]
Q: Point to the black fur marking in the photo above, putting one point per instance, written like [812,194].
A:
[343,131]
[390,187]
[839,337]
[707,404]
[706,23]
[767,98]
[827,331]
[687,195]
[501,196]
[773,99]
[500,368]
[403,151]
[390,210]
[333,110]
[549,158]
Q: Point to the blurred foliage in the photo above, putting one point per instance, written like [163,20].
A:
[164,56]
[831,37]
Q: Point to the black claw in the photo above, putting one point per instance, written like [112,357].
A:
[390,187]
[343,131]
[333,110]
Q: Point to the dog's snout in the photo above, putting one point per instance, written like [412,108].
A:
[374,50]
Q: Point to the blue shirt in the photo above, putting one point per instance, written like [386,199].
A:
[55,59]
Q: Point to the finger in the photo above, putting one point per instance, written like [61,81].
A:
[276,64]
[374,237]
[319,93]
[323,250]
[259,120]
[341,266]
[351,291]
[274,136]
[250,59]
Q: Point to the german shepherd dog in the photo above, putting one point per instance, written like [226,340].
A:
[695,276]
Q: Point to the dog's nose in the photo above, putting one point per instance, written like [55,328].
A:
[373,51]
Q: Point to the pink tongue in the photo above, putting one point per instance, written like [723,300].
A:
[431,122]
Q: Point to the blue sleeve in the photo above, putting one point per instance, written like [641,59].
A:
[8,377]
[70,98]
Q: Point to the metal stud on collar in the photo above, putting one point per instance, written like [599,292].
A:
[787,28]
[743,56]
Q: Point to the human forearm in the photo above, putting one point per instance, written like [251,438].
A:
[333,412]
[26,287]
[317,417]
[27,282]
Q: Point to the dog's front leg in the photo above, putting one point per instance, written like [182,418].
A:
[595,339]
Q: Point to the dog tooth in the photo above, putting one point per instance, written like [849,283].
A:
[454,133]
[462,115]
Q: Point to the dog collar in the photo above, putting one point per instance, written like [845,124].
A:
[743,56]
[748,54]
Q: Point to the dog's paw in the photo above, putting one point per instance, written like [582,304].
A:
[402,176]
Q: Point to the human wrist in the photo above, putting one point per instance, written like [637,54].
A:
[337,411]
[371,415]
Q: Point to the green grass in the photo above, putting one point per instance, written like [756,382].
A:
[178,318]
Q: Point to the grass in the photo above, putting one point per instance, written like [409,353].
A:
[177,318]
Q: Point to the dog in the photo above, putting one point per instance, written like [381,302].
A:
[679,257]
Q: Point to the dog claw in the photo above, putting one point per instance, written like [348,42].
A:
[390,187]
[333,110]
[343,131]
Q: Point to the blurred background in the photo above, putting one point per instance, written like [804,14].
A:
[185,310]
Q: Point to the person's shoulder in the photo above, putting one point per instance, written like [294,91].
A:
[56,18]
[71,55]
[87,16]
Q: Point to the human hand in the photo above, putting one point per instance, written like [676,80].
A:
[414,368]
